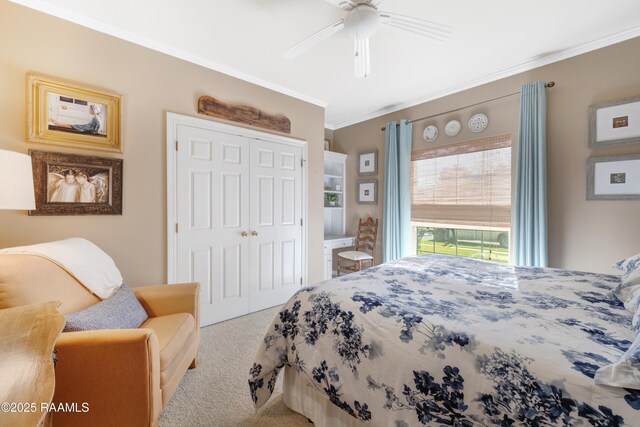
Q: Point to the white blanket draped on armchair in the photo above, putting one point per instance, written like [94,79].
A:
[85,261]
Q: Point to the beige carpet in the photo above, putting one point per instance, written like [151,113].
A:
[216,392]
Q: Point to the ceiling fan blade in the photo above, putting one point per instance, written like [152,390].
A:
[314,39]
[344,4]
[375,3]
[362,62]
[431,30]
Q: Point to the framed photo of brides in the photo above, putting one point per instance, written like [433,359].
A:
[60,113]
[70,184]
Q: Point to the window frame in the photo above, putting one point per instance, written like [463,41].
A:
[502,141]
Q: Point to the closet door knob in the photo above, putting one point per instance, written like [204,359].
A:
[254,233]
[244,234]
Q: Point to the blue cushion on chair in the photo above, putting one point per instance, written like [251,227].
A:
[120,311]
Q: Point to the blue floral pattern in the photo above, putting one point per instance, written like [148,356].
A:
[438,340]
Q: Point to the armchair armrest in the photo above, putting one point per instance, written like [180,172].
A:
[162,300]
[115,372]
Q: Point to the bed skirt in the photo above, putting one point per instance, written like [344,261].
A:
[299,397]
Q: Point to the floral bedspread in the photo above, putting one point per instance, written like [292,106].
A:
[441,340]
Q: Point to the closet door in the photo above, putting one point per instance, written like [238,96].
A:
[276,229]
[212,210]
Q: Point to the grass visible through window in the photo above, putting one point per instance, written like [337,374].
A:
[478,244]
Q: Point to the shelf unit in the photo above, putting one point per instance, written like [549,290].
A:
[335,185]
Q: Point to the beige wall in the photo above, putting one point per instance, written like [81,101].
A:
[583,235]
[151,84]
[328,134]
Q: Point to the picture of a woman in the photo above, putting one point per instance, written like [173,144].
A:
[62,113]
[95,124]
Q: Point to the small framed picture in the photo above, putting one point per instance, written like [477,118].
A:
[327,145]
[368,191]
[60,113]
[614,123]
[368,163]
[70,184]
[613,178]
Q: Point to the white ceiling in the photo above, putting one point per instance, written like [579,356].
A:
[246,38]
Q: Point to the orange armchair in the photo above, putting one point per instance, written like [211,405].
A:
[125,376]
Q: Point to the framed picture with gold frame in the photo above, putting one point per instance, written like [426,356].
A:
[60,113]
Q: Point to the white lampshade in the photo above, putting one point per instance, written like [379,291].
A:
[16,181]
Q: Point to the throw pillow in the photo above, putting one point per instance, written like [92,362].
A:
[120,311]
[628,291]
[624,373]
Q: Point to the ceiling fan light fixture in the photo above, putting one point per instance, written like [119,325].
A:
[362,22]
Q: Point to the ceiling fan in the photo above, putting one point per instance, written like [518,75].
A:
[361,21]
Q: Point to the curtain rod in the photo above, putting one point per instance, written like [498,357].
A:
[550,84]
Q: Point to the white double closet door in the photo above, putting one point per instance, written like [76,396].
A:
[239,214]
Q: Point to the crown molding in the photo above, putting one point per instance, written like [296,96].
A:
[488,78]
[162,48]
[212,65]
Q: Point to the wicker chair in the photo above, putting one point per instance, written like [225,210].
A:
[365,248]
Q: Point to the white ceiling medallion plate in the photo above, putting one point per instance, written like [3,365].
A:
[430,133]
[452,128]
[478,123]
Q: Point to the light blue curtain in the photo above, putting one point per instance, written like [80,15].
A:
[396,218]
[530,207]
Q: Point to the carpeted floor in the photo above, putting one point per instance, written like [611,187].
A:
[216,392]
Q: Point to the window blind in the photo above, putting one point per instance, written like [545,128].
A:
[464,184]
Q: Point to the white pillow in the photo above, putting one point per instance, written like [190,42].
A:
[628,291]
[625,373]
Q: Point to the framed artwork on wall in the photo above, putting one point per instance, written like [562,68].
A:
[613,178]
[368,191]
[368,163]
[614,123]
[70,184]
[60,113]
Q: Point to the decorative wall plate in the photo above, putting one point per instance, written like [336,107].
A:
[478,123]
[430,133]
[452,128]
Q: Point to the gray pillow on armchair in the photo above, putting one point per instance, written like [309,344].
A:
[120,311]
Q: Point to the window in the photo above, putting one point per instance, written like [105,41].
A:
[461,199]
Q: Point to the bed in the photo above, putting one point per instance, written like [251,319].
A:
[440,340]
